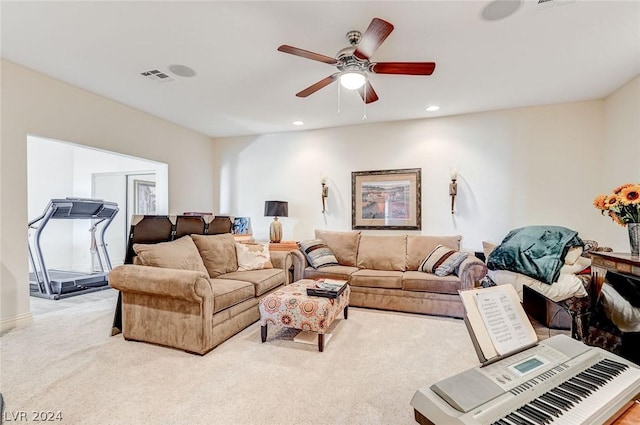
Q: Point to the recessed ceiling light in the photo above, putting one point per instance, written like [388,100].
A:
[500,9]
[182,70]
[432,108]
[297,123]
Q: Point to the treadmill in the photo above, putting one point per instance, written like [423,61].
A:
[57,284]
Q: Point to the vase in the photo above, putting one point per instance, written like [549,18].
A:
[634,238]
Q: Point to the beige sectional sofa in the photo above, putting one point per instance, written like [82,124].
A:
[190,294]
[383,272]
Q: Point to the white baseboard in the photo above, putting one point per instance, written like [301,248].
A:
[17,321]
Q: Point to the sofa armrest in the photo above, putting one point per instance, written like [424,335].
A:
[171,283]
[471,271]
[282,260]
[299,264]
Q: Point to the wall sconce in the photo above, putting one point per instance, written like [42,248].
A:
[325,194]
[453,188]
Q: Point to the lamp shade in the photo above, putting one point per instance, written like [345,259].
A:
[276,209]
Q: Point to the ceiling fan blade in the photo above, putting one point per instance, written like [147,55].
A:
[371,93]
[307,54]
[372,38]
[317,86]
[405,68]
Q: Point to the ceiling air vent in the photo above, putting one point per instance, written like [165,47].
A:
[156,75]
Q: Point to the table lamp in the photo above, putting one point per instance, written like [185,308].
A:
[276,209]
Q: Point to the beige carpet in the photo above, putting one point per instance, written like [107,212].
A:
[367,374]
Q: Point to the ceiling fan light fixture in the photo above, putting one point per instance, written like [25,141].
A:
[352,80]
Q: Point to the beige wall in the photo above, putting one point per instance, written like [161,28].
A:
[538,165]
[33,103]
[621,153]
[516,167]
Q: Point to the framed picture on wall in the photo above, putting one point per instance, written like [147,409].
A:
[241,226]
[386,199]
[144,197]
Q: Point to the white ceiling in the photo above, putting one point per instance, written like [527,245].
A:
[561,51]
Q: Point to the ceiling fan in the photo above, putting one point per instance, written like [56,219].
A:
[354,62]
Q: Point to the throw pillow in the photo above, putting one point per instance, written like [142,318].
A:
[253,256]
[451,264]
[575,268]
[567,286]
[179,254]
[572,255]
[442,261]
[418,245]
[318,253]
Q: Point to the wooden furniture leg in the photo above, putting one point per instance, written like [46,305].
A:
[321,342]
[263,332]
[346,312]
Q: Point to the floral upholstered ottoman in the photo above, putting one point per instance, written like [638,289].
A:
[291,307]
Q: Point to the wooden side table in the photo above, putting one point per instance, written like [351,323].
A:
[283,246]
[623,263]
[616,262]
[601,262]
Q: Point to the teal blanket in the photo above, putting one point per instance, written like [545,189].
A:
[535,251]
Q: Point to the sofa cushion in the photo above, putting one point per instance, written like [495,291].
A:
[253,256]
[382,252]
[377,279]
[331,272]
[318,254]
[442,261]
[263,280]
[419,246]
[179,254]
[343,244]
[426,282]
[228,292]
[573,253]
[218,253]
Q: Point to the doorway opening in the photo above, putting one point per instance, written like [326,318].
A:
[58,169]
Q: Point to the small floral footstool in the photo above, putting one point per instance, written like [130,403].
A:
[291,307]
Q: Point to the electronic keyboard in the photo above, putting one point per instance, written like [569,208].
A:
[559,381]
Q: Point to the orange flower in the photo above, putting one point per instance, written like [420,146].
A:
[622,186]
[611,201]
[630,195]
[623,205]
[599,202]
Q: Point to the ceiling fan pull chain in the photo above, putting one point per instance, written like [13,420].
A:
[339,99]
[364,108]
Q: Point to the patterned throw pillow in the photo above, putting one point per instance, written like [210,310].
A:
[253,256]
[442,261]
[318,253]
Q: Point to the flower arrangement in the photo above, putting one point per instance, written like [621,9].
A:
[623,205]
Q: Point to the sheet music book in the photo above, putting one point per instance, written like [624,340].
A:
[497,323]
